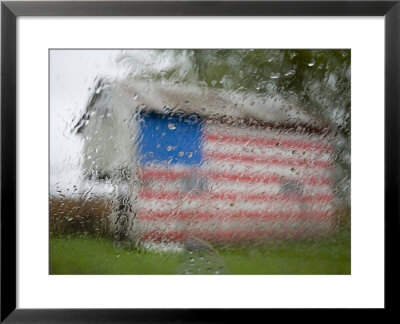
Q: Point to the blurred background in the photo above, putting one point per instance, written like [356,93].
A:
[200,161]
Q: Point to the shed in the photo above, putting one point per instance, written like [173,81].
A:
[220,166]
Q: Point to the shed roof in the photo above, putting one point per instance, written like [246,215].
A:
[227,106]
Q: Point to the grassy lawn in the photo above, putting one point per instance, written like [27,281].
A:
[93,255]
[331,256]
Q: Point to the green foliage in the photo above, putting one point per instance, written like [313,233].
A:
[318,80]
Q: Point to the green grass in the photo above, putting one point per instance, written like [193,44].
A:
[330,256]
[93,255]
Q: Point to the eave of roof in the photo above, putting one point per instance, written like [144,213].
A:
[227,107]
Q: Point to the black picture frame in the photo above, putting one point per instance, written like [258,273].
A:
[10,10]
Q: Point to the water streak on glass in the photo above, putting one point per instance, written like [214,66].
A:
[201,161]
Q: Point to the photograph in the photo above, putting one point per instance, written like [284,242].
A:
[199,161]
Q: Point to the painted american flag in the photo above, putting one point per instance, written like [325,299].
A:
[222,181]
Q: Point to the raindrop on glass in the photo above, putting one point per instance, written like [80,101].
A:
[275,75]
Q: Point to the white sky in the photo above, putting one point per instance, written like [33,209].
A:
[72,74]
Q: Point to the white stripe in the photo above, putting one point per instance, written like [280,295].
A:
[215,226]
[258,151]
[278,170]
[201,205]
[265,132]
[212,186]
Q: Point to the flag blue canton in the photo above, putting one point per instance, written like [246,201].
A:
[167,139]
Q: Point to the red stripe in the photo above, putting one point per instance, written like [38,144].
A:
[269,160]
[298,144]
[171,175]
[151,215]
[157,235]
[267,178]
[152,194]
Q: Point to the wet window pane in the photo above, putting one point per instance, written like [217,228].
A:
[200,161]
